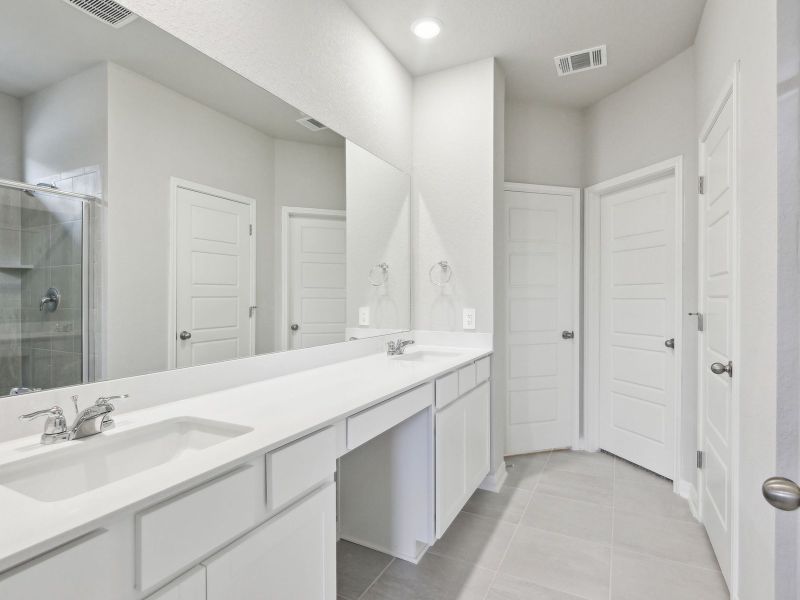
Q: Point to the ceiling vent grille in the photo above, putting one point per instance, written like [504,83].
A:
[311,123]
[593,58]
[106,11]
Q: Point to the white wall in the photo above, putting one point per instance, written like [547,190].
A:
[648,121]
[732,30]
[314,54]
[453,192]
[378,231]
[11,138]
[306,175]
[155,134]
[543,144]
[65,125]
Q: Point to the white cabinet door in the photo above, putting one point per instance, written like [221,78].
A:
[290,556]
[191,586]
[462,453]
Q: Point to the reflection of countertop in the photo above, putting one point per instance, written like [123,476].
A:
[279,410]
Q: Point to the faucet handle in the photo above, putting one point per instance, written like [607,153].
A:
[107,399]
[55,411]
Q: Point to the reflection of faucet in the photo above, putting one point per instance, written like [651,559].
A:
[89,421]
[50,300]
[398,347]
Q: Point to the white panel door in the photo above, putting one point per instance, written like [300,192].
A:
[292,555]
[214,289]
[542,295]
[717,304]
[317,281]
[637,316]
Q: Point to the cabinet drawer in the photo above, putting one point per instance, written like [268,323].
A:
[372,422]
[61,573]
[483,369]
[176,534]
[466,379]
[446,390]
[191,586]
[300,466]
[290,556]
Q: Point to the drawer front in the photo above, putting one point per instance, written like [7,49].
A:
[59,574]
[300,466]
[483,369]
[176,534]
[466,379]
[191,586]
[374,421]
[290,556]
[446,390]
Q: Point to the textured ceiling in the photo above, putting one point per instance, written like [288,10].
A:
[525,35]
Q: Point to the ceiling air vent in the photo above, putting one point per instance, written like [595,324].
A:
[106,11]
[567,64]
[311,123]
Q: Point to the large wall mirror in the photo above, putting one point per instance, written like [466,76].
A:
[158,211]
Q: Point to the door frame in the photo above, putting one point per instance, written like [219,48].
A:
[287,213]
[176,183]
[591,349]
[574,193]
[730,91]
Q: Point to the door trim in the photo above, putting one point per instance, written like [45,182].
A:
[575,195]
[730,91]
[176,183]
[591,287]
[287,212]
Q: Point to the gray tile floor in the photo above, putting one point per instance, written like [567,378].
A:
[566,526]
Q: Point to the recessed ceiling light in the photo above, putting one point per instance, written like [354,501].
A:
[426,28]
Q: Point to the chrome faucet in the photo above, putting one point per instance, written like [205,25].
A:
[398,347]
[90,421]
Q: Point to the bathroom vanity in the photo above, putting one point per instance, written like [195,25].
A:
[233,493]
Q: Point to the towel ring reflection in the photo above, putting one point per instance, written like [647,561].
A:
[445,277]
[382,273]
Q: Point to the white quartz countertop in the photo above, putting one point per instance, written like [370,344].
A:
[279,410]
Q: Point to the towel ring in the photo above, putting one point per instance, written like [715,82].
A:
[447,271]
[384,274]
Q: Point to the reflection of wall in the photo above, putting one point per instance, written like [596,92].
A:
[317,56]
[11,138]
[309,176]
[156,134]
[378,230]
[10,290]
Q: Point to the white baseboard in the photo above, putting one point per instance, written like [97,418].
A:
[687,490]
[493,482]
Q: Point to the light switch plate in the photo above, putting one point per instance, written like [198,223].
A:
[363,315]
[469,318]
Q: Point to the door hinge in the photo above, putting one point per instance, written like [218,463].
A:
[701,184]
[251,229]
[700,459]
[699,320]
[252,310]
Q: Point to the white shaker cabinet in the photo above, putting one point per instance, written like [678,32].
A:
[293,555]
[462,453]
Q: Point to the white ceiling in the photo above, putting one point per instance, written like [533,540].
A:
[45,41]
[525,35]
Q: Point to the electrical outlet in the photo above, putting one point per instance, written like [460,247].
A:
[469,318]
[363,316]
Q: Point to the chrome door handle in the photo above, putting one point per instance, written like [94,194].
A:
[718,368]
[781,493]
[567,335]
[185,335]
[670,343]
[294,327]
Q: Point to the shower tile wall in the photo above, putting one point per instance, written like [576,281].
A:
[51,241]
[10,290]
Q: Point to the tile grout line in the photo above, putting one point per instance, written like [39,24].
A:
[517,525]
[374,581]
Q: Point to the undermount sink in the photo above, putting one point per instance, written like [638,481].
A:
[426,355]
[85,465]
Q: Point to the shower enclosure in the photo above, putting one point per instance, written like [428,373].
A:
[44,282]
